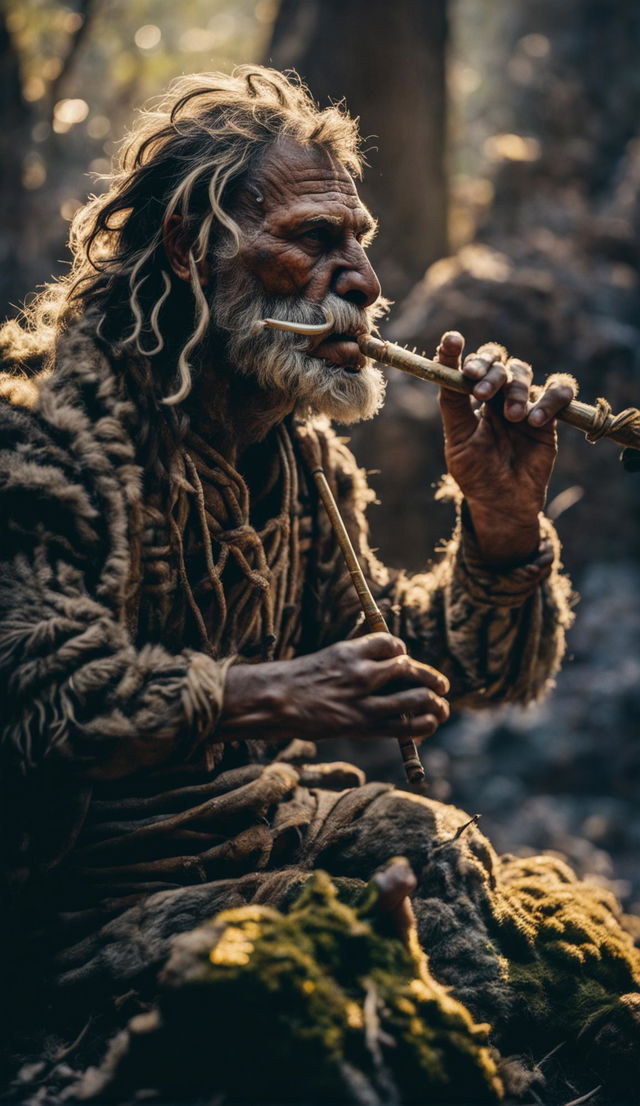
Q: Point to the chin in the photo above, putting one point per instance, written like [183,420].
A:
[344,396]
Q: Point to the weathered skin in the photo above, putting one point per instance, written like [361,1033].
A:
[305,232]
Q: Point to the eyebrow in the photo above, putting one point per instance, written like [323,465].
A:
[367,224]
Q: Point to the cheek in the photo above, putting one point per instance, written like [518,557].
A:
[281,271]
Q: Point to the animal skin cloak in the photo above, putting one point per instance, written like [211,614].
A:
[122,604]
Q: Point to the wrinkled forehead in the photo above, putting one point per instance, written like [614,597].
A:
[293,177]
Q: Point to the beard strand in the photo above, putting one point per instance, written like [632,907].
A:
[278,361]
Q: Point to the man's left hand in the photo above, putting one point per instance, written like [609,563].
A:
[501,453]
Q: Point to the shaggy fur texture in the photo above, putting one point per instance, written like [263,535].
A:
[101,680]
[123,821]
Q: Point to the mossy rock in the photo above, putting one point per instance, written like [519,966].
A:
[323,1004]
[573,969]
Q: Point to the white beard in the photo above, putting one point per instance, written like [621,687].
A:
[278,361]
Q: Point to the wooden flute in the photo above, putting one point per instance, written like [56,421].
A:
[597,421]
[373,615]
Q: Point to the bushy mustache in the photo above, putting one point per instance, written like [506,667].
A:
[284,362]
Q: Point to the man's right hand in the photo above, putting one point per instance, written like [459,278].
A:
[364,688]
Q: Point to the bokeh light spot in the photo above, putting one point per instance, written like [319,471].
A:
[34,172]
[67,113]
[147,37]
[98,126]
[512,147]
[33,89]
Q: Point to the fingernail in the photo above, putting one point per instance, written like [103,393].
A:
[482,389]
[537,418]
[516,410]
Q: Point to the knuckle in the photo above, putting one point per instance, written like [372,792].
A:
[361,674]
[388,644]
[436,679]
[342,652]
[521,369]
[424,726]
[494,351]
[428,702]
[420,701]
[404,665]
[562,381]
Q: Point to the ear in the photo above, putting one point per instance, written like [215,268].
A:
[177,246]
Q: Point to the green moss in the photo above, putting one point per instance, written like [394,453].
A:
[321,1000]
[573,969]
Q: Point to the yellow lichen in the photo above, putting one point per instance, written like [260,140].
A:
[320,989]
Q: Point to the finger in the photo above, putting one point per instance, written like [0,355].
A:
[417,727]
[416,701]
[476,364]
[558,391]
[377,646]
[516,396]
[408,671]
[450,349]
[494,379]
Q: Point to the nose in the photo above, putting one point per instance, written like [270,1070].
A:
[357,282]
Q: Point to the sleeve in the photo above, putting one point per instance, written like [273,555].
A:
[75,689]
[498,636]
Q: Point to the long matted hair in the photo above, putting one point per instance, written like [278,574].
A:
[186,155]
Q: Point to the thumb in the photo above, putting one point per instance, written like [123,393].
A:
[457,413]
[449,352]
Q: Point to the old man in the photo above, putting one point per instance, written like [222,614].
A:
[176,624]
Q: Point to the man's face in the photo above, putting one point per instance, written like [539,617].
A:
[304,233]
[308,235]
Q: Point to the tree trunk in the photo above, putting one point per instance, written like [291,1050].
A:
[388,63]
[554,271]
[15,119]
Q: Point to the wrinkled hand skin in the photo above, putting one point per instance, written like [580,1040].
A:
[365,688]
[501,454]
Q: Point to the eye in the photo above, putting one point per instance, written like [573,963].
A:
[318,235]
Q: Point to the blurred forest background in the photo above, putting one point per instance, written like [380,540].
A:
[504,163]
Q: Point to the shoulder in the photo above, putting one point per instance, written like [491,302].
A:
[67,456]
[22,371]
[30,453]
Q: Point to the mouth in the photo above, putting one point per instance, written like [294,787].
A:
[341,349]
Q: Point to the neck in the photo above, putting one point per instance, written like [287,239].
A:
[233,407]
